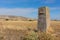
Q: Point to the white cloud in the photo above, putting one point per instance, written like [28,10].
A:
[55,8]
[17,11]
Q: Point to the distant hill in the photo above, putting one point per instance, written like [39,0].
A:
[14,18]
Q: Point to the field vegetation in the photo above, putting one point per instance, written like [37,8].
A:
[27,30]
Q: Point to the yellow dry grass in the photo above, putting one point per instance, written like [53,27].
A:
[23,25]
[27,24]
[55,25]
[18,25]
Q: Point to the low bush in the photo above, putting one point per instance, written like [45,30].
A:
[38,36]
[31,36]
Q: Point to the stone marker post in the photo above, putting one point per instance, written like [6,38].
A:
[43,19]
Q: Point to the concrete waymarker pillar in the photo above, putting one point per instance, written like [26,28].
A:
[43,19]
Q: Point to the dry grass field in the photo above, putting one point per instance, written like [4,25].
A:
[22,25]
[18,25]
[56,27]
[13,27]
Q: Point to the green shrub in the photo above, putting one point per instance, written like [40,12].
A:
[7,19]
[38,36]
[30,20]
[31,36]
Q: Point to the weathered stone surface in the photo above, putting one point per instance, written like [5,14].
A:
[43,19]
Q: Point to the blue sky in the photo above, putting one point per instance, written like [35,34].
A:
[29,8]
